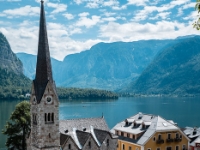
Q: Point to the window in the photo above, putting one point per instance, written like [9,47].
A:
[34,117]
[128,135]
[180,136]
[123,147]
[52,117]
[49,117]
[159,137]
[184,147]
[89,144]
[169,136]
[117,132]
[122,133]
[177,148]
[154,138]
[168,148]
[69,146]
[177,135]
[158,149]
[130,148]
[148,149]
[107,142]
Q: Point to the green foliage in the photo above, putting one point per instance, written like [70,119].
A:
[18,127]
[196,24]
[13,86]
[77,93]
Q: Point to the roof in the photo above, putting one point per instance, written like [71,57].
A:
[144,123]
[43,67]
[81,129]
[193,134]
[83,123]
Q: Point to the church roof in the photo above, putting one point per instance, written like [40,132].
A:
[43,67]
[83,124]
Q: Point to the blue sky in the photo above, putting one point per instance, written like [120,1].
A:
[76,25]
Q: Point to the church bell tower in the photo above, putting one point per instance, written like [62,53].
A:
[44,100]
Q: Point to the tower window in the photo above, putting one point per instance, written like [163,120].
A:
[52,117]
[49,117]
[45,117]
[69,146]
[34,117]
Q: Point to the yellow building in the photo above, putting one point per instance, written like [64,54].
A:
[149,132]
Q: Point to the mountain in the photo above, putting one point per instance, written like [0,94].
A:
[174,71]
[13,83]
[8,60]
[105,66]
[29,64]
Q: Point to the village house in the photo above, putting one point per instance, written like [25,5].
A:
[149,132]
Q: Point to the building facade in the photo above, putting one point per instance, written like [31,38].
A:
[149,132]
[44,100]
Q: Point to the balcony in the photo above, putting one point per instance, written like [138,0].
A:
[177,139]
[160,141]
[169,140]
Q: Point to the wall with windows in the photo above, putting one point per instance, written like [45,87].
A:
[172,140]
[124,145]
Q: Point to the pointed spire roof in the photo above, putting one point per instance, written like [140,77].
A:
[43,67]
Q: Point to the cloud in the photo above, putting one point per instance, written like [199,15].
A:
[88,22]
[84,14]
[68,16]
[135,31]
[137,2]
[58,7]
[22,11]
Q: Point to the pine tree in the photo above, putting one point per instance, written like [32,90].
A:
[18,127]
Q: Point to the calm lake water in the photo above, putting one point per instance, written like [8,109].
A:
[184,111]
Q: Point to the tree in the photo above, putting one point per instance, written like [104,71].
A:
[18,127]
[197,23]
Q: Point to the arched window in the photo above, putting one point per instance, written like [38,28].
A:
[52,117]
[45,116]
[49,117]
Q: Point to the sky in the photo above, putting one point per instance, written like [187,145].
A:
[76,25]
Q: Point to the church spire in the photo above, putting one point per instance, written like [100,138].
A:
[43,67]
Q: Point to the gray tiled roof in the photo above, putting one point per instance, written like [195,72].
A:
[82,136]
[80,124]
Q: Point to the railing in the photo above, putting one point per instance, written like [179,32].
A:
[160,141]
[177,139]
[169,140]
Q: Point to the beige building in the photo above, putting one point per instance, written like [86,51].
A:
[149,132]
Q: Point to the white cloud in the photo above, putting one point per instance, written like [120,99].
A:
[109,19]
[22,11]
[88,22]
[58,7]
[68,16]
[135,31]
[137,2]
[84,14]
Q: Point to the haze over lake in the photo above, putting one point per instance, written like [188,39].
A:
[183,111]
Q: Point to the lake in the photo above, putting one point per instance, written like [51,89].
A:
[183,111]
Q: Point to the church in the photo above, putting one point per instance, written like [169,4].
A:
[47,131]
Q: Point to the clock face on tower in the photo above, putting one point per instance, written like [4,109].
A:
[49,100]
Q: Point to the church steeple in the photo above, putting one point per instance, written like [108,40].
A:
[43,67]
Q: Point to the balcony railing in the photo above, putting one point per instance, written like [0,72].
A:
[169,140]
[177,139]
[160,141]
